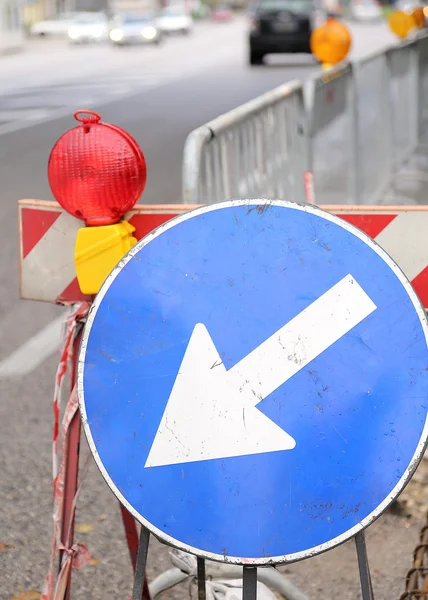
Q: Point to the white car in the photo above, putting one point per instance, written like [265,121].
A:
[174,20]
[89,28]
[56,26]
[135,28]
[366,10]
[408,6]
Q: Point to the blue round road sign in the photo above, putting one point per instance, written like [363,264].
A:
[253,381]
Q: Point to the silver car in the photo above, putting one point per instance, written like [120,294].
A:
[366,10]
[92,27]
[135,29]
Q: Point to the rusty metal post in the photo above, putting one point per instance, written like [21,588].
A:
[72,467]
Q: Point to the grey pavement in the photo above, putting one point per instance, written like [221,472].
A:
[159,96]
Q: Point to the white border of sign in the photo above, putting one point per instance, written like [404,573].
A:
[288,558]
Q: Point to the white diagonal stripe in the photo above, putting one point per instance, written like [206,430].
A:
[302,339]
[405,239]
[49,268]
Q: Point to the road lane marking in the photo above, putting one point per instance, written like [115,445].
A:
[34,351]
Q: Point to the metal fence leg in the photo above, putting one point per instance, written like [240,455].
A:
[201,578]
[414,113]
[363,565]
[309,141]
[353,113]
[388,118]
[139,590]
[249,588]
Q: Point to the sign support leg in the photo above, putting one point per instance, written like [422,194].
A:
[201,578]
[71,470]
[140,570]
[131,533]
[249,589]
[363,565]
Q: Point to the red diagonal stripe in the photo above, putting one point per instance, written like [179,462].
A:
[420,285]
[370,224]
[72,294]
[35,223]
[144,224]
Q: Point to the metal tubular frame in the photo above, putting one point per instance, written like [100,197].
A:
[249,574]
[244,152]
[265,148]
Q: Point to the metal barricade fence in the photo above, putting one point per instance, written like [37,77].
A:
[257,149]
[330,134]
[423,85]
[358,123]
[374,138]
[403,63]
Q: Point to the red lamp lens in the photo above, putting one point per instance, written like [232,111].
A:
[97,172]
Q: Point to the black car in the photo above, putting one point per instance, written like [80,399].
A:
[280,26]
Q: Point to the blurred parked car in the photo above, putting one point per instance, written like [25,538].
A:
[175,20]
[333,8]
[135,29]
[282,26]
[222,13]
[200,10]
[366,10]
[89,28]
[58,25]
[408,6]
[252,8]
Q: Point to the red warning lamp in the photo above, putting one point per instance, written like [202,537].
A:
[96,171]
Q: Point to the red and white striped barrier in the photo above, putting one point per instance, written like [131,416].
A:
[47,237]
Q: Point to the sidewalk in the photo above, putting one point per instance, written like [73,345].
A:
[370,37]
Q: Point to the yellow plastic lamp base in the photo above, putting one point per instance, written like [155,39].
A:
[98,250]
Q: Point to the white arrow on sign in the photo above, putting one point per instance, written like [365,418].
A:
[212,413]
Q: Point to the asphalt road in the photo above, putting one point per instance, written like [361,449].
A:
[158,95]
